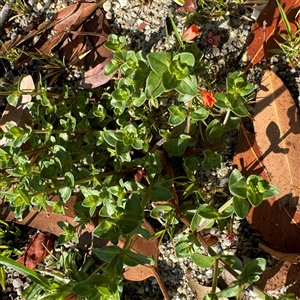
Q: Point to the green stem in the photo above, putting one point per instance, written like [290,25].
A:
[57,131]
[81,181]
[215,277]
[239,292]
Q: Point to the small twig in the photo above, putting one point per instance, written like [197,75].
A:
[4,14]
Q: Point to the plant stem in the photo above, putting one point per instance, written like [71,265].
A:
[81,181]
[226,117]
[58,131]
[239,292]
[215,277]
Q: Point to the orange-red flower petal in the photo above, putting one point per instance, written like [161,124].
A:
[191,33]
[208,99]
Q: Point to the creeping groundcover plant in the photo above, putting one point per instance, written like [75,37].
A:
[111,149]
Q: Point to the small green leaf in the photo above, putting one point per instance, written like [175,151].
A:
[133,206]
[154,86]
[177,115]
[13,99]
[187,245]
[230,292]
[133,259]
[159,193]
[203,261]
[65,193]
[112,136]
[106,253]
[127,225]
[214,130]
[241,206]
[159,61]
[2,277]
[169,81]
[199,114]
[195,221]
[111,67]
[69,179]
[212,160]
[253,270]
[115,43]
[208,212]
[158,211]
[240,111]
[233,261]
[188,86]
[177,146]
[152,163]
[115,266]
[185,58]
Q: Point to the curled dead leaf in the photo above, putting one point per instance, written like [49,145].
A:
[293,258]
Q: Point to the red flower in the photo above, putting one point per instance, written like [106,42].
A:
[208,99]
[191,33]
[212,40]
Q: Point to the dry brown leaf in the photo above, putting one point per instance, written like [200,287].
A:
[99,55]
[41,28]
[61,30]
[278,227]
[247,155]
[257,49]
[36,251]
[189,6]
[283,275]
[277,129]
[293,258]
[85,45]
[200,290]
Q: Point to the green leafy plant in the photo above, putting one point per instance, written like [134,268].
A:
[291,40]
[9,235]
[120,138]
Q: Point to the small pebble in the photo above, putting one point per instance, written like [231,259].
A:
[17,282]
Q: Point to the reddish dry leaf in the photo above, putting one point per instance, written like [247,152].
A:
[293,258]
[257,49]
[41,28]
[36,251]
[276,126]
[61,30]
[189,6]
[283,275]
